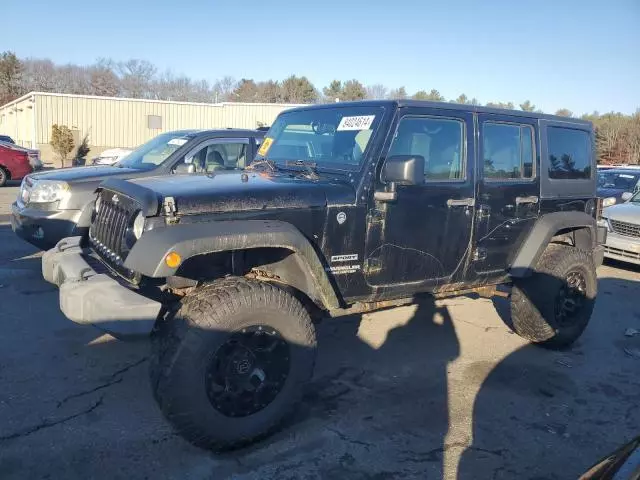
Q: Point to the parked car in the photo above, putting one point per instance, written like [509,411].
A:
[614,183]
[347,208]
[6,139]
[16,162]
[56,204]
[622,222]
[111,156]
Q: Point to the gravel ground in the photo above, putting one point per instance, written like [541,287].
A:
[442,390]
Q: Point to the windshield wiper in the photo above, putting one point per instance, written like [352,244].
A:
[265,161]
[311,167]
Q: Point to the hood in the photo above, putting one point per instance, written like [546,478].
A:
[114,152]
[610,192]
[241,191]
[13,146]
[625,212]
[80,174]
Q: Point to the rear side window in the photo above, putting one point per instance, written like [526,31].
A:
[507,151]
[569,153]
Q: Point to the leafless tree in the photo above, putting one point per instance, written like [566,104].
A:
[377,92]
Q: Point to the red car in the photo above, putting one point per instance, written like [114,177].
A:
[17,162]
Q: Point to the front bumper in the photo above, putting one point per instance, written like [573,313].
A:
[91,298]
[598,251]
[623,248]
[43,228]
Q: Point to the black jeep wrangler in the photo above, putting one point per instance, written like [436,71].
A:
[347,207]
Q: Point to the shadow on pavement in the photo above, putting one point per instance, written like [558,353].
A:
[377,407]
[545,414]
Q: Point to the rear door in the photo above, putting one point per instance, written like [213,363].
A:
[508,189]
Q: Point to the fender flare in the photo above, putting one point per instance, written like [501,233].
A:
[148,253]
[541,234]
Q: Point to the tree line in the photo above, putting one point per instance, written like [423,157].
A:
[618,135]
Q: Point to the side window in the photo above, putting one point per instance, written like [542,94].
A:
[219,155]
[507,151]
[439,140]
[225,156]
[569,153]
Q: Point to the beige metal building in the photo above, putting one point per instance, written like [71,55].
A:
[120,122]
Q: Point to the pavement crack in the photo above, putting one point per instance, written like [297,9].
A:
[114,378]
[52,423]
[345,438]
[435,454]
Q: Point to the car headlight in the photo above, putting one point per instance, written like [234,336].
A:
[138,225]
[47,191]
[607,202]
[604,222]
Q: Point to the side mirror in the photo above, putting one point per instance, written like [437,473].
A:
[184,168]
[626,196]
[404,170]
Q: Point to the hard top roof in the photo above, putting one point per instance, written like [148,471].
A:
[446,106]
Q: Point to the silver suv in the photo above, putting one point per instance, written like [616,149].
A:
[623,225]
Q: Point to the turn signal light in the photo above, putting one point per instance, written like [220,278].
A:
[173,259]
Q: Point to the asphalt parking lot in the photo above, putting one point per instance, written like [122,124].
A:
[443,390]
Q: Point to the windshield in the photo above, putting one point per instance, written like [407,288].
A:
[154,152]
[331,137]
[618,180]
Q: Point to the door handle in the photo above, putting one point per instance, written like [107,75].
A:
[521,200]
[461,202]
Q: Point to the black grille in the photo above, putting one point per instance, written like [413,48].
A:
[110,233]
[624,228]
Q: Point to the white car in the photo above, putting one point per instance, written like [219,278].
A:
[111,156]
[623,229]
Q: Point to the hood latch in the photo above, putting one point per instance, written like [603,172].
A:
[169,210]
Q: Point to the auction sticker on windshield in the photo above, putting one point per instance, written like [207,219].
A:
[178,141]
[266,145]
[361,122]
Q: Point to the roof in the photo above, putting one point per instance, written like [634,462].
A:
[449,106]
[146,100]
[236,132]
[629,168]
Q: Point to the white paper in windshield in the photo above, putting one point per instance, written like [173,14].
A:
[361,122]
[624,175]
[178,141]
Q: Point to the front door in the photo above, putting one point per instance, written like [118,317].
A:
[421,239]
[508,188]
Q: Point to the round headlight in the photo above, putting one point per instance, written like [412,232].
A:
[98,202]
[138,225]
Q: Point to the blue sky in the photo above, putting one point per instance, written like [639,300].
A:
[581,55]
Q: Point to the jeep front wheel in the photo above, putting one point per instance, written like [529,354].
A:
[554,305]
[232,362]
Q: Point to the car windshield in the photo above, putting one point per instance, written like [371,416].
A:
[335,137]
[154,152]
[619,180]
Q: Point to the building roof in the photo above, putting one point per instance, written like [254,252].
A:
[127,99]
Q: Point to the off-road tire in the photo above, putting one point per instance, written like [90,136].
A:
[4,176]
[184,342]
[533,299]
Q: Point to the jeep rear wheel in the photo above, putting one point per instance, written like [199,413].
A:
[554,305]
[232,362]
